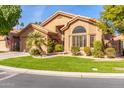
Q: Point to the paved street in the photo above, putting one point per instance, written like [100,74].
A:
[10,79]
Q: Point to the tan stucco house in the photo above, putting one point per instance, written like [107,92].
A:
[3,44]
[67,29]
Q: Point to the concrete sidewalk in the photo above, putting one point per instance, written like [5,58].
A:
[64,74]
[82,56]
[12,55]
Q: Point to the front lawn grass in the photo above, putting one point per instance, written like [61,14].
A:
[69,64]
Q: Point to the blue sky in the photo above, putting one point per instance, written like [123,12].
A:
[33,13]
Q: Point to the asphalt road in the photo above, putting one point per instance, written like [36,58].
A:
[9,79]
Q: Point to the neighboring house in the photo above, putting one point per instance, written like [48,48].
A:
[4,46]
[120,44]
[65,28]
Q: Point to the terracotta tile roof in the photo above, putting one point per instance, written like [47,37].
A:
[65,14]
[37,27]
[55,15]
[87,19]
[44,30]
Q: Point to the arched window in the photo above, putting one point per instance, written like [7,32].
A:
[79,29]
[79,37]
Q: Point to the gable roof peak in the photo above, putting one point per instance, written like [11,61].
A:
[80,16]
[71,15]
[62,12]
[75,15]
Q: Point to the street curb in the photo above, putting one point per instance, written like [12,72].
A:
[64,74]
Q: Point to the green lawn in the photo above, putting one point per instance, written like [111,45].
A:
[70,64]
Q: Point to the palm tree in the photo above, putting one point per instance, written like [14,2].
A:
[35,40]
[38,23]
[22,24]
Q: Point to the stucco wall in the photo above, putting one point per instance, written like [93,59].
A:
[3,46]
[59,20]
[23,39]
[90,30]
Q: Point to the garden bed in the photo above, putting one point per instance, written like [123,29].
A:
[81,56]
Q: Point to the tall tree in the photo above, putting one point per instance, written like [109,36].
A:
[105,27]
[113,16]
[9,15]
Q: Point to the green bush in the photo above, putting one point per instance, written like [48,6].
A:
[87,51]
[34,51]
[50,49]
[59,48]
[98,45]
[110,52]
[98,54]
[98,49]
[50,46]
[75,50]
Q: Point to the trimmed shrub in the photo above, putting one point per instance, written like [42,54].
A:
[50,49]
[98,49]
[87,51]
[34,51]
[59,48]
[98,54]
[50,46]
[98,45]
[110,52]
[75,50]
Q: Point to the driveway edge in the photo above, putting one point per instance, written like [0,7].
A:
[64,74]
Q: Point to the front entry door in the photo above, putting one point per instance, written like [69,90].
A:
[16,45]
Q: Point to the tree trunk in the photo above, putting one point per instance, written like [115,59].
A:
[103,38]
[41,51]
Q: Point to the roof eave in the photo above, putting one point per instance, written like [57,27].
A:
[77,18]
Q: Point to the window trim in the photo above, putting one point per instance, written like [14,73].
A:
[77,28]
[91,41]
[76,40]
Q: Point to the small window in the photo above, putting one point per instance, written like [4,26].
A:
[79,29]
[92,38]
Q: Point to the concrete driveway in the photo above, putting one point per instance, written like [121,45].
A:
[12,55]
